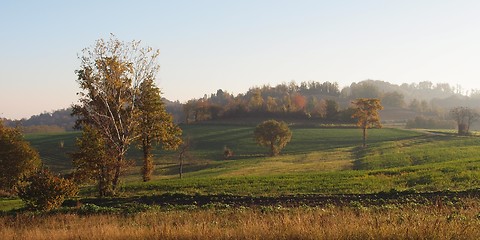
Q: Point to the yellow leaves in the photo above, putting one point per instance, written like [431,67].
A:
[366,112]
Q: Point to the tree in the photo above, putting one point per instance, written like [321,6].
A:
[271,104]
[299,102]
[464,117]
[393,99]
[156,125]
[256,101]
[188,108]
[18,159]
[415,105]
[273,134]
[364,90]
[183,152]
[331,109]
[367,116]
[110,76]
[93,161]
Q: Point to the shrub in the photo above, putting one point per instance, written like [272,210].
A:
[46,191]
[430,123]
[227,153]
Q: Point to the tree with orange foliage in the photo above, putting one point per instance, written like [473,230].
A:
[367,116]
[300,102]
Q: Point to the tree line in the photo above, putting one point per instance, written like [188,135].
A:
[323,101]
[430,103]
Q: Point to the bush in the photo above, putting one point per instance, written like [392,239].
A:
[46,191]
[227,153]
[430,123]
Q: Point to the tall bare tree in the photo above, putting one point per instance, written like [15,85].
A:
[367,116]
[110,76]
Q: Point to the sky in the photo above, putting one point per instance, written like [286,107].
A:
[235,45]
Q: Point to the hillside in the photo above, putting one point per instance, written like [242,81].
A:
[321,102]
[318,160]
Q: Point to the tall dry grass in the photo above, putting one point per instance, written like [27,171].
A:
[386,222]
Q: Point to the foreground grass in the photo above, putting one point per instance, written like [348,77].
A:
[440,220]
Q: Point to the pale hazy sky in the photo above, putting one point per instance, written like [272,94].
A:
[234,45]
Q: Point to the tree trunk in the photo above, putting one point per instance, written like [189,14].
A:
[364,137]
[181,167]
[462,129]
[116,176]
[147,169]
[272,149]
[101,183]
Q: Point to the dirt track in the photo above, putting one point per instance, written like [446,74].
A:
[289,201]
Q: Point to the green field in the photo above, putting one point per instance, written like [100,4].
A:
[317,161]
[404,185]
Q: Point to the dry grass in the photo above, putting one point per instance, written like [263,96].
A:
[386,222]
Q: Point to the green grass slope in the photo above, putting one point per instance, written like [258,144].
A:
[317,161]
[53,154]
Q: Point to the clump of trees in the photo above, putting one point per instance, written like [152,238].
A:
[273,134]
[307,100]
[366,114]
[119,105]
[22,173]
[18,160]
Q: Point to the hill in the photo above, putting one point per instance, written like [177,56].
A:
[322,102]
[318,160]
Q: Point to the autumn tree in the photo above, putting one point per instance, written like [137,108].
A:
[300,102]
[464,117]
[271,104]
[18,159]
[93,161]
[273,134]
[256,101]
[366,114]
[156,125]
[110,76]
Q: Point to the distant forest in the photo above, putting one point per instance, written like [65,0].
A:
[422,105]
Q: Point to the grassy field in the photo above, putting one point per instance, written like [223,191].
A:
[317,161]
[404,185]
